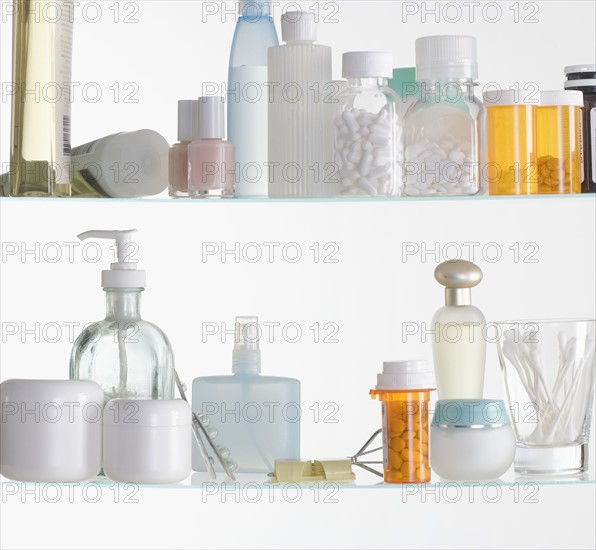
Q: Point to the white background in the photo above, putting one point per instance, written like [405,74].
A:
[369,294]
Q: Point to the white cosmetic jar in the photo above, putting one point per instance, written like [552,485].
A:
[147,440]
[471,439]
[50,430]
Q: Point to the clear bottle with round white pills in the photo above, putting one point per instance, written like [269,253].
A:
[368,133]
[442,129]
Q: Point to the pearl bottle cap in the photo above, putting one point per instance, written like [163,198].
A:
[458,277]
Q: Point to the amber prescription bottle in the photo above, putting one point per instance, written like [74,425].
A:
[404,391]
[583,79]
[511,142]
[558,141]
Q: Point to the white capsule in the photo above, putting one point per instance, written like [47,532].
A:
[412,151]
[365,162]
[355,147]
[368,146]
[379,171]
[365,119]
[338,121]
[354,157]
[366,186]
[379,139]
[380,129]
[364,131]
[344,130]
[350,120]
[412,191]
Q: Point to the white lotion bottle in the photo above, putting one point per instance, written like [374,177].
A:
[302,105]
[459,347]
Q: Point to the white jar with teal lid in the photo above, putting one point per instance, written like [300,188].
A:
[471,439]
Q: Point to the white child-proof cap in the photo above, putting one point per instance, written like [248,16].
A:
[562,98]
[211,117]
[408,375]
[298,26]
[498,97]
[446,56]
[188,119]
[367,65]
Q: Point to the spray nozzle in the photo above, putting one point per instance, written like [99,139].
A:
[123,272]
[246,356]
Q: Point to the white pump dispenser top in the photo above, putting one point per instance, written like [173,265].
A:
[123,273]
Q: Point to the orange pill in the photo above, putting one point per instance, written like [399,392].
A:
[409,435]
[395,459]
[397,427]
[397,444]
[407,470]
[413,444]
[424,436]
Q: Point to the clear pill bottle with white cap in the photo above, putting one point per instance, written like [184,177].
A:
[442,129]
[367,134]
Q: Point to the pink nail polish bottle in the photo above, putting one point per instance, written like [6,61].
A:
[188,129]
[211,159]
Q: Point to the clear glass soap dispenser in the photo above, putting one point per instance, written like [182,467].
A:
[127,356]
[256,417]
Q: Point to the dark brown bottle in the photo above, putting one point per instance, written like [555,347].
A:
[583,78]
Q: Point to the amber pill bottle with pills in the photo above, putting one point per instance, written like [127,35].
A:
[558,142]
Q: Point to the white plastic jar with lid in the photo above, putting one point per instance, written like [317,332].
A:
[442,128]
[147,440]
[51,430]
[471,439]
[368,136]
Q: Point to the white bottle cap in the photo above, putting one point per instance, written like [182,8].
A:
[254,9]
[446,56]
[367,65]
[123,272]
[497,97]
[188,119]
[246,356]
[562,98]
[211,117]
[410,375]
[298,26]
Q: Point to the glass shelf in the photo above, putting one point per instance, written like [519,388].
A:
[354,200]
[201,481]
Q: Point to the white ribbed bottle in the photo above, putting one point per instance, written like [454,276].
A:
[301,108]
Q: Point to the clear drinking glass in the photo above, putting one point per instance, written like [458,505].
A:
[548,369]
